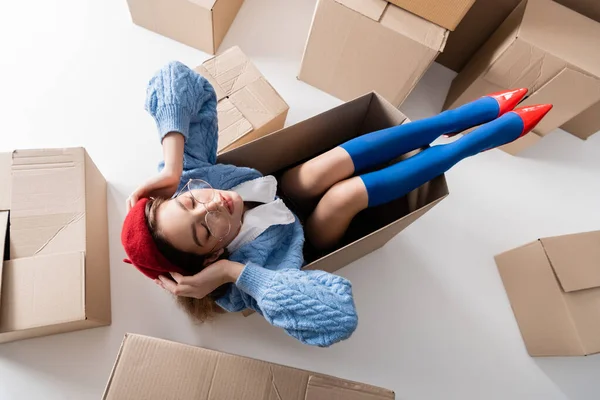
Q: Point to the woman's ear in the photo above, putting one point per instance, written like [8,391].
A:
[211,258]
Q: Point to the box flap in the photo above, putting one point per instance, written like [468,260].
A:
[539,305]
[369,8]
[232,70]
[43,290]
[563,33]
[415,28]
[570,92]
[47,202]
[6,179]
[584,124]
[575,259]
[232,124]
[258,102]
[327,388]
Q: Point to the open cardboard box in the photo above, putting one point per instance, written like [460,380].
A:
[54,244]
[355,47]
[372,228]
[248,106]
[483,18]
[554,289]
[154,369]
[549,49]
[201,24]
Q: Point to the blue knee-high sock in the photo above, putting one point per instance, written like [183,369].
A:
[378,147]
[399,179]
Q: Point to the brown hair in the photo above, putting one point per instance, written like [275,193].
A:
[199,309]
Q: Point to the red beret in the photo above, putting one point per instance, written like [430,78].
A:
[141,248]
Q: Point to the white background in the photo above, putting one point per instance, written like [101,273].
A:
[435,322]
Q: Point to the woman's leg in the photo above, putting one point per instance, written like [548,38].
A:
[332,216]
[316,176]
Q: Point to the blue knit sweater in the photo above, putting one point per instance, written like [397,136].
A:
[315,307]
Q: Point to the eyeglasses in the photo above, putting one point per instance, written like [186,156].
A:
[216,219]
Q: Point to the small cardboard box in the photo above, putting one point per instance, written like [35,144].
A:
[248,106]
[154,369]
[445,13]
[370,229]
[549,49]
[355,47]
[201,24]
[54,232]
[554,289]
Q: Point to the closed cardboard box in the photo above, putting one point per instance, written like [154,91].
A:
[54,236]
[445,13]
[355,47]
[201,24]
[154,369]
[553,286]
[248,106]
[547,48]
[370,229]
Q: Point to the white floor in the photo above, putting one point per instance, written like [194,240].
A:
[435,320]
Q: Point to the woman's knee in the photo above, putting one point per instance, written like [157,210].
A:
[348,196]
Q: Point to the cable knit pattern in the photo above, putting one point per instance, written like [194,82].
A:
[315,307]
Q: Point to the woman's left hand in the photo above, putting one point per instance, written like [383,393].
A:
[204,282]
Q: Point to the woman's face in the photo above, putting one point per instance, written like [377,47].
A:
[183,221]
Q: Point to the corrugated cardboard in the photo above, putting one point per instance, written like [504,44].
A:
[248,107]
[154,369]
[201,24]
[445,13]
[355,47]
[55,277]
[370,229]
[482,20]
[542,46]
[554,289]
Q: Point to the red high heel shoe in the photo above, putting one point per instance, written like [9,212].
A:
[532,115]
[507,100]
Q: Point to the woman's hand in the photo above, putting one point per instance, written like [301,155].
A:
[204,282]
[166,183]
[162,185]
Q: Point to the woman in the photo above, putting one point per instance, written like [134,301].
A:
[218,237]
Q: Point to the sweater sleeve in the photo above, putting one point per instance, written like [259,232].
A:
[181,100]
[315,307]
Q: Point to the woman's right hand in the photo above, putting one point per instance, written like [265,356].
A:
[164,185]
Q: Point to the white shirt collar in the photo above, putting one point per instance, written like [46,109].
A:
[257,220]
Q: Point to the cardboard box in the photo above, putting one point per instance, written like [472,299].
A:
[554,289]
[355,47]
[370,229]
[201,24]
[248,106]
[547,48]
[154,369]
[55,274]
[482,20]
[445,13]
